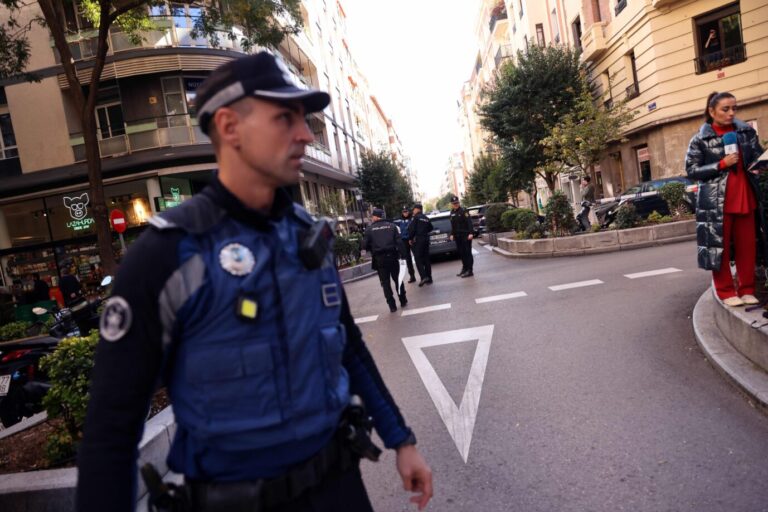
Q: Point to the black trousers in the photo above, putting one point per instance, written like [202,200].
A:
[389,270]
[421,255]
[464,246]
[343,492]
[408,260]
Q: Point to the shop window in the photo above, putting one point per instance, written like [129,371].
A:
[132,199]
[719,40]
[175,191]
[26,222]
[70,215]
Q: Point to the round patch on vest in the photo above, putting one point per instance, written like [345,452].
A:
[116,319]
[237,259]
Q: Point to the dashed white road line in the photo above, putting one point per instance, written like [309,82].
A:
[426,310]
[650,273]
[505,296]
[579,284]
[366,319]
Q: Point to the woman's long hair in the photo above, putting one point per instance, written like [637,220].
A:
[712,102]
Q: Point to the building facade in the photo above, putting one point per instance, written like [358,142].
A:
[154,155]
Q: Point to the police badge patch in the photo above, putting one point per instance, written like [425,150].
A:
[237,259]
[116,319]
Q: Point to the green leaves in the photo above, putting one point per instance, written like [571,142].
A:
[382,183]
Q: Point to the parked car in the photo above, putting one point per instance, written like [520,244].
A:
[439,238]
[477,214]
[646,205]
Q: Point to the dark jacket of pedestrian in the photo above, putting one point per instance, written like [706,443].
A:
[41,290]
[702,163]
[421,226]
[461,223]
[382,239]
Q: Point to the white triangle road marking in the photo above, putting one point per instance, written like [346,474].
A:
[475,252]
[460,421]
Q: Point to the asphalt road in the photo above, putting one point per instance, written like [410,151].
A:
[593,398]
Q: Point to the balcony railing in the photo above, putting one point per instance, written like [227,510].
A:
[151,133]
[504,52]
[165,34]
[319,153]
[721,59]
[633,91]
[496,16]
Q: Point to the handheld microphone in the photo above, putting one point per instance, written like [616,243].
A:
[731,143]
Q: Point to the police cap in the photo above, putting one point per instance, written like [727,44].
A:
[454,199]
[261,75]
[378,212]
[418,205]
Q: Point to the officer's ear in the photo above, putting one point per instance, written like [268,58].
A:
[225,122]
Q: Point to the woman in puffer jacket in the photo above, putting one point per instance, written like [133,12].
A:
[727,201]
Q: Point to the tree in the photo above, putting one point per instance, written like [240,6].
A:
[487,183]
[332,205]
[581,136]
[444,202]
[252,22]
[524,102]
[382,183]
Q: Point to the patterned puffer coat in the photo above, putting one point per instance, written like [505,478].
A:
[702,163]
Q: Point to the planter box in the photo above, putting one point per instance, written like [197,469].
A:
[635,235]
[674,230]
[356,272]
[735,325]
[601,240]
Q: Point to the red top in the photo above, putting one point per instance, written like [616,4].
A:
[739,197]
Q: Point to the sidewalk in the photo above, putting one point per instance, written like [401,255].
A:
[736,343]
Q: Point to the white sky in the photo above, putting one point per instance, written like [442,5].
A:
[416,55]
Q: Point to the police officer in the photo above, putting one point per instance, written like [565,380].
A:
[382,240]
[233,300]
[462,231]
[418,236]
[402,223]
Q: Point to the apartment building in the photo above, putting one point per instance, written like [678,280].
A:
[154,155]
[664,56]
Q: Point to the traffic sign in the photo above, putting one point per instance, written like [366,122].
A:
[117,219]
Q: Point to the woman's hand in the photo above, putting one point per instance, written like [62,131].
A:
[731,159]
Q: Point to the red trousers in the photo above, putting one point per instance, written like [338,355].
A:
[739,229]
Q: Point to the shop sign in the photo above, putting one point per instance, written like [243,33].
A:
[78,209]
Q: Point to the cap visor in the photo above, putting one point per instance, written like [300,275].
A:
[312,99]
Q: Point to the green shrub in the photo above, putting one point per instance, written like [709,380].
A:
[627,217]
[674,195]
[535,231]
[493,217]
[14,330]
[524,219]
[509,217]
[667,218]
[346,249]
[559,214]
[655,217]
[595,228]
[69,369]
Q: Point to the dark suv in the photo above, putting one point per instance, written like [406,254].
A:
[477,214]
[646,205]
[439,238]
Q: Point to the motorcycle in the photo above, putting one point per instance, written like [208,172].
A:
[22,383]
[607,214]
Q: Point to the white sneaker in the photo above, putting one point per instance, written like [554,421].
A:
[749,300]
[733,302]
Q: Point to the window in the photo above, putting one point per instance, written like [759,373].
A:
[521,9]
[540,35]
[555,27]
[620,5]
[109,113]
[596,16]
[175,101]
[8,147]
[718,39]
[633,89]
[643,162]
[576,28]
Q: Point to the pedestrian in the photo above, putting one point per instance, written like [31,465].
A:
[383,241]
[418,236]
[462,231]
[587,189]
[234,301]
[70,286]
[40,290]
[719,156]
[402,224]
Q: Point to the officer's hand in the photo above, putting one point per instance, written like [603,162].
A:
[470,237]
[416,475]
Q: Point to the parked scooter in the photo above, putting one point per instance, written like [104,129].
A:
[606,216]
[22,383]
[582,218]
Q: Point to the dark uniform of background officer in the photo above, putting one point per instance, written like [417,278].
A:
[382,240]
[418,236]
[230,300]
[402,223]
[462,232]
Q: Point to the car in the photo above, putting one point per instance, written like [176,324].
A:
[477,214]
[648,204]
[439,237]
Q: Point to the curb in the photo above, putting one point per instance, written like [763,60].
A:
[359,278]
[597,250]
[745,375]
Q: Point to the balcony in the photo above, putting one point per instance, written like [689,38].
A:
[717,60]
[633,91]
[319,153]
[499,13]
[593,42]
[157,132]
[504,52]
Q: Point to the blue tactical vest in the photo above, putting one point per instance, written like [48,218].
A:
[244,384]
[402,224]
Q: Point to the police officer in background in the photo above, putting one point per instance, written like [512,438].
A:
[402,223]
[462,231]
[232,299]
[418,236]
[383,241]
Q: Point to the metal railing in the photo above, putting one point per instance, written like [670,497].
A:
[142,134]
[721,59]
[505,51]
[633,91]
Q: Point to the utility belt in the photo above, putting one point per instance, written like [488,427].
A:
[350,443]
